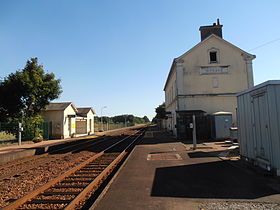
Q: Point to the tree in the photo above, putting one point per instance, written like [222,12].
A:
[160,110]
[26,92]
[160,113]
[146,119]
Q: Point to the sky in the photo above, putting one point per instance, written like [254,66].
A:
[117,53]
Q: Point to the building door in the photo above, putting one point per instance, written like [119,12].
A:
[260,127]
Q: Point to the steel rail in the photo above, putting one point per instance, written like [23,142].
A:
[46,154]
[84,144]
[40,190]
[86,138]
[99,178]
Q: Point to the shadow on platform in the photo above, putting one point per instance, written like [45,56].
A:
[218,180]
[205,154]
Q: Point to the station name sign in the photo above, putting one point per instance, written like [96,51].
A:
[214,70]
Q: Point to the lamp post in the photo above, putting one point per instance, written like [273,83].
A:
[101,116]
[125,116]
[108,120]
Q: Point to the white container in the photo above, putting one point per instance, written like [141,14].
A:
[221,123]
[258,116]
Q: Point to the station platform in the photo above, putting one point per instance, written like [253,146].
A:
[15,152]
[163,173]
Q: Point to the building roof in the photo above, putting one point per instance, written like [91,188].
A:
[222,113]
[248,55]
[269,82]
[60,106]
[84,110]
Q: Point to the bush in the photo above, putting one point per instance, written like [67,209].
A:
[32,128]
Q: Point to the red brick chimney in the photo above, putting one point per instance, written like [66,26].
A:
[206,31]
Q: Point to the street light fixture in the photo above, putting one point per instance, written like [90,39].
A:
[101,116]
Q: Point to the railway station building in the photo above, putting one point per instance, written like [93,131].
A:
[68,121]
[206,79]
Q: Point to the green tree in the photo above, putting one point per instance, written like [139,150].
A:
[160,113]
[26,92]
[146,119]
[160,110]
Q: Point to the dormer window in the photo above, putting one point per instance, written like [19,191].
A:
[213,55]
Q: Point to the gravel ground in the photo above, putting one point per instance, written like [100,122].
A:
[38,172]
[239,206]
[30,180]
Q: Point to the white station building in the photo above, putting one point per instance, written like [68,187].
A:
[206,78]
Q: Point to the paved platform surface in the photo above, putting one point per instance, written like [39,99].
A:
[162,173]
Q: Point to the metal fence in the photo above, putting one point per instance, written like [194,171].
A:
[46,128]
[9,131]
[110,126]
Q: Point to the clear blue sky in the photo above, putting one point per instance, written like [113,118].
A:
[118,53]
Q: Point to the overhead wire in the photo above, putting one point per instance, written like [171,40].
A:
[267,43]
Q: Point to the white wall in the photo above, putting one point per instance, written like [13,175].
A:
[234,81]
[90,126]
[56,117]
[66,131]
[209,92]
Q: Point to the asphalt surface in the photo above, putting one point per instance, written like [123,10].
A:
[162,173]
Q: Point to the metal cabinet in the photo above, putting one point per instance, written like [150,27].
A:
[220,125]
[258,117]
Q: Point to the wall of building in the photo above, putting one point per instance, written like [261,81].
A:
[212,104]
[195,82]
[81,126]
[56,117]
[170,91]
[90,123]
[213,91]
[202,85]
[171,103]
[69,124]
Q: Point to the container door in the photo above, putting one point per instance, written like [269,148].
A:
[260,127]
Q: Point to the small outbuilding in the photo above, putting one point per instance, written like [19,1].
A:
[62,116]
[68,121]
[85,121]
[258,114]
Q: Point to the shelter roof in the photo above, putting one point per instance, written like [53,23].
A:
[84,110]
[222,113]
[60,106]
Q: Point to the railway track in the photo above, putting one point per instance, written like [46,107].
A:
[19,166]
[73,188]
[15,168]
[67,147]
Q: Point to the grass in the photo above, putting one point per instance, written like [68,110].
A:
[97,126]
[6,136]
